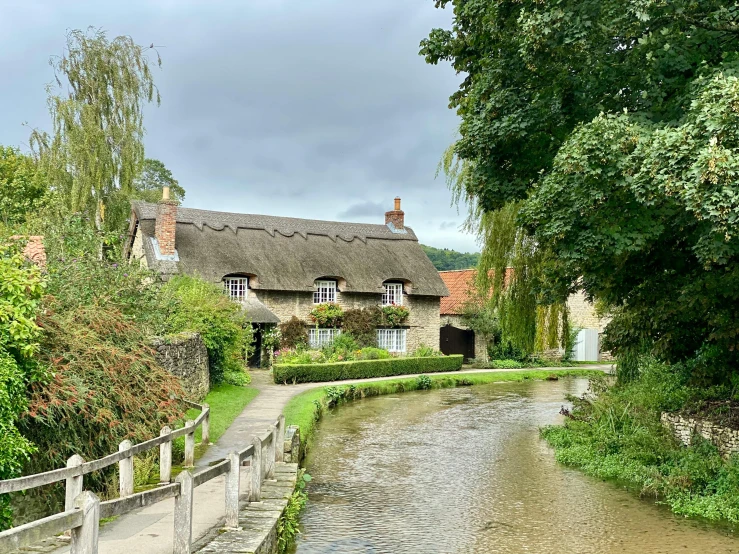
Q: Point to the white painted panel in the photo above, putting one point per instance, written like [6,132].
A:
[586,347]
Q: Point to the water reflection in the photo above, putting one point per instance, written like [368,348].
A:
[464,470]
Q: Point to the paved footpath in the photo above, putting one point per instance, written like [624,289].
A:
[150,530]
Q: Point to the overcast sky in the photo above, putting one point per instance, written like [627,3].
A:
[305,108]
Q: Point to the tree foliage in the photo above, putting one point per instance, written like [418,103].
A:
[22,186]
[155,175]
[95,150]
[613,126]
[445,259]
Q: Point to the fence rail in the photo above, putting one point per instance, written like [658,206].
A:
[83,509]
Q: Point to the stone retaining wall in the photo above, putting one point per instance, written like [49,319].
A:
[685,428]
[185,356]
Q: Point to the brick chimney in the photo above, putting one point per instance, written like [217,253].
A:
[395,219]
[166,224]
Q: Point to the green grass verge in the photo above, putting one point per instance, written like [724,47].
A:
[363,369]
[226,402]
[305,409]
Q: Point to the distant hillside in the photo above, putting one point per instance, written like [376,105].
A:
[445,259]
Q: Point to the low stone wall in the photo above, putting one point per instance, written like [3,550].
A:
[185,356]
[685,428]
[292,445]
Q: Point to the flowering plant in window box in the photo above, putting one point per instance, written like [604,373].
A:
[394,315]
[327,315]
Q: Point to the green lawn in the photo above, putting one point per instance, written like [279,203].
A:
[306,408]
[226,402]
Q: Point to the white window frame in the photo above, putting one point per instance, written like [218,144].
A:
[320,337]
[392,340]
[237,288]
[393,294]
[325,291]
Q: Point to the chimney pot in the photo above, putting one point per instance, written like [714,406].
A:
[397,203]
[165,193]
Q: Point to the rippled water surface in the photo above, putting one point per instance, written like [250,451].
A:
[463,470]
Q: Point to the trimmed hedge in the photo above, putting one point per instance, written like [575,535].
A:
[363,369]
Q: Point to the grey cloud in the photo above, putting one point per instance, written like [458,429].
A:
[305,109]
[365,209]
[447,225]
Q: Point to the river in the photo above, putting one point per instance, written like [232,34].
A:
[464,470]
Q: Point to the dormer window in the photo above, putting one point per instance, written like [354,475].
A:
[325,291]
[393,294]
[237,288]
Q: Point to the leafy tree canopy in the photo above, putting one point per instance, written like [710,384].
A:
[446,259]
[22,186]
[615,126]
[154,176]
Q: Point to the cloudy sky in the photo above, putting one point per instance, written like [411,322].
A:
[305,108]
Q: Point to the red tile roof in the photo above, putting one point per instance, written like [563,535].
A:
[460,283]
[34,250]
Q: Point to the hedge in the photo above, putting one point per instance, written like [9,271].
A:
[363,369]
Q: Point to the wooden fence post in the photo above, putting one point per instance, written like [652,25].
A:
[85,537]
[165,457]
[256,470]
[73,486]
[183,514]
[125,470]
[206,425]
[190,444]
[233,490]
[280,445]
[269,467]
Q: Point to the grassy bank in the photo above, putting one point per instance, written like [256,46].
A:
[615,434]
[226,402]
[305,409]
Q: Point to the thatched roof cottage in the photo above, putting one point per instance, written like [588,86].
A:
[279,267]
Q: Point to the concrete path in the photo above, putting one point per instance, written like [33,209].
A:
[150,530]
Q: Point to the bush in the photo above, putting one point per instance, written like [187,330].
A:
[362,325]
[363,369]
[394,316]
[424,351]
[327,315]
[293,334]
[371,353]
[200,306]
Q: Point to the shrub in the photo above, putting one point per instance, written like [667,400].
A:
[423,382]
[105,386]
[21,287]
[362,325]
[424,351]
[371,353]
[394,316]
[363,369]
[293,334]
[200,306]
[342,348]
[327,315]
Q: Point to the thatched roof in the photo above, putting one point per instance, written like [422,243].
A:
[289,254]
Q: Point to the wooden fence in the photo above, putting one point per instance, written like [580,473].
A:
[83,509]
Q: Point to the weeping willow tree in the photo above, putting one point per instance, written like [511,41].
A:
[95,150]
[510,268]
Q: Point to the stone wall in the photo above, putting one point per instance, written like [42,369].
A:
[185,356]
[685,428]
[423,322]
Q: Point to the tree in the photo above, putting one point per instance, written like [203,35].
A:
[613,126]
[22,186]
[95,151]
[155,175]
[446,259]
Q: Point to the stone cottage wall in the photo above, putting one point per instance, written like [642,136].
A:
[423,322]
[185,356]
[684,428]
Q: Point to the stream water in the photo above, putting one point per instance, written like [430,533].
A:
[464,470]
